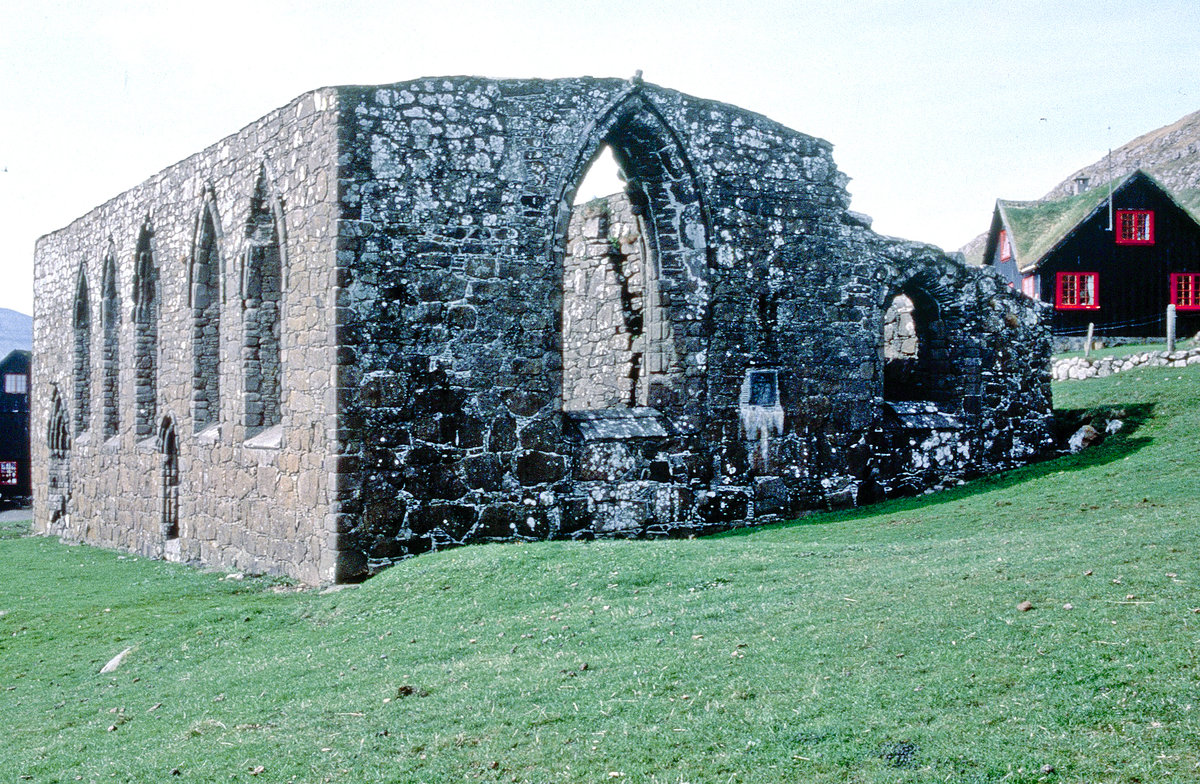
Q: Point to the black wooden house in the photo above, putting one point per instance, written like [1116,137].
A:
[1113,255]
[15,485]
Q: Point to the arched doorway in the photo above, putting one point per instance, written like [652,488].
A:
[58,437]
[168,445]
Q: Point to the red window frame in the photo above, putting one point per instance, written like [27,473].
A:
[1077,291]
[1185,290]
[8,472]
[1029,286]
[1134,227]
[1005,248]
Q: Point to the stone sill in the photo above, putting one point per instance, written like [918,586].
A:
[268,438]
[209,435]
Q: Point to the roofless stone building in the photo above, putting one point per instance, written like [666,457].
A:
[370,324]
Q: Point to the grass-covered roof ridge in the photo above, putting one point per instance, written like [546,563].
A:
[1036,227]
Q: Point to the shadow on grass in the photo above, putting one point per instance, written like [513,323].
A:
[1066,421]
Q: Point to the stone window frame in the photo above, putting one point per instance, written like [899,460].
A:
[207,232]
[110,320]
[263,204]
[81,359]
[1134,227]
[167,445]
[631,120]
[939,371]
[146,315]
[58,442]
[1077,290]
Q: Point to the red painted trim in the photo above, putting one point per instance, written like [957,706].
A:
[1190,299]
[1130,229]
[1005,248]
[1077,294]
[1029,286]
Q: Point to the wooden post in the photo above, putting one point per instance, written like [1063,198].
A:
[1170,327]
[1087,346]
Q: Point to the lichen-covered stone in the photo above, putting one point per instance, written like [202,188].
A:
[455,354]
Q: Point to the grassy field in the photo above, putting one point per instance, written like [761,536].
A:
[881,645]
[1126,350]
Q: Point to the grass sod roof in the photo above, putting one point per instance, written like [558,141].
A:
[1036,227]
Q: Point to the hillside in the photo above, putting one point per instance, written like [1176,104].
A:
[1171,154]
[887,644]
[16,331]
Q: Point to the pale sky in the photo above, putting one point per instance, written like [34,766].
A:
[934,109]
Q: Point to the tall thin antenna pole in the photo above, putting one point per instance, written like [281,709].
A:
[1110,186]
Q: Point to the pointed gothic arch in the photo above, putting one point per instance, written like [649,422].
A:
[262,304]
[145,346]
[110,316]
[919,363]
[58,441]
[205,296]
[168,448]
[82,357]
[668,201]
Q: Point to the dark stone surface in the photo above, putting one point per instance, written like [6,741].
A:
[732,337]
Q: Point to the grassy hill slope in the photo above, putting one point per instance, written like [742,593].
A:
[880,645]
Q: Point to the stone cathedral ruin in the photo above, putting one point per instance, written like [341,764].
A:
[372,324]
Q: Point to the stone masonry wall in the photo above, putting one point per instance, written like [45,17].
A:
[249,499]
[766,395]
[604,288]
[463,358]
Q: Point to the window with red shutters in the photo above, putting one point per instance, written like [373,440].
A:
[1005,248]
[1077,291]
[1135,227]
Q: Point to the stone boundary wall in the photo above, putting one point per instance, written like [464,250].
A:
[1078,368]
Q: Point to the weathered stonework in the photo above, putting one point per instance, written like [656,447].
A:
[458,356]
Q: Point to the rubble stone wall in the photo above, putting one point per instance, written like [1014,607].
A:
[470,395]
[603,311]
[463,358]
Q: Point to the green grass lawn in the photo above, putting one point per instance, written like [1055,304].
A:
[880,645]
[1124,350]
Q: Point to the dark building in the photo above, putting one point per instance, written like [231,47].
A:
[14,427]
[1117,266]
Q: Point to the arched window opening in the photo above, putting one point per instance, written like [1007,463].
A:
[145,347]
[635,274]
[261,302]
[899,330]
[58,438]
[206,323]
[111,358]
[82,359]
[168,445]
[604,288]
[916,361]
